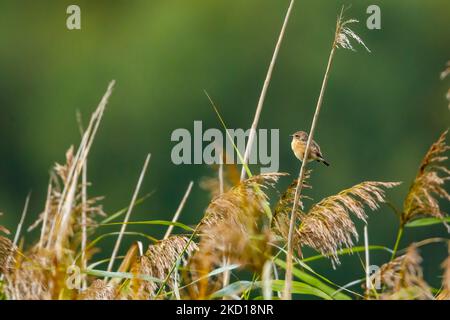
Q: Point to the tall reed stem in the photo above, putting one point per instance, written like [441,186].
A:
[287,294]
[262,96]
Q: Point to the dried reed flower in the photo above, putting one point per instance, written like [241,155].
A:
[6,251]
[40,272]
[344,34]
[402,278]
[50,215]
[157,262]
[327,226]
[234,228]
[428,186]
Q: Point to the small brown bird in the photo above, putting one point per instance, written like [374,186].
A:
[298,145]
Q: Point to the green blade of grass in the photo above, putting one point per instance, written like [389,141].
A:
[423,222]
[313,281]
[301,288]
[347,251]
[277,285]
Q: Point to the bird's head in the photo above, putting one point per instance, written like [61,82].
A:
[300,136]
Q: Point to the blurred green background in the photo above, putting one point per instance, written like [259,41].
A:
[381,111]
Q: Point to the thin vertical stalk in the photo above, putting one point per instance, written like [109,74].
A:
[83,207]
[262,96]
[179,209]
[127,215]
[288,277]
[397,241]
[84,220]
[367,257]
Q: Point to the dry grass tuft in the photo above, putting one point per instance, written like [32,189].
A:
[157,262]
[48,219]
[402,278]
[428,186]
[236,227]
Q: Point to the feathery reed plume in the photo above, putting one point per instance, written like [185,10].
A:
[235,227]
[344,34]
[262,96]
[157,262]
[428,186]
[341,40]
[402,278]
[48,219]
[327,226]
[445,292]
[39,274]
[6,251]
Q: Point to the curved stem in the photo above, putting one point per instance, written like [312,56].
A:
[287,294]
[397,242]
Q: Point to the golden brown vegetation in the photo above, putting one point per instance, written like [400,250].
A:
[240,230]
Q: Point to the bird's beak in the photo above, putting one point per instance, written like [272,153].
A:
[291,135]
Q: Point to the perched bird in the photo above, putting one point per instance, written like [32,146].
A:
[298,145]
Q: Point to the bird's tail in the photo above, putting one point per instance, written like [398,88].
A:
[323,161]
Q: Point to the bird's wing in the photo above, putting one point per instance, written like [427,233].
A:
[316,149]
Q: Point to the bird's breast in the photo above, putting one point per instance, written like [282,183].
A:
[298,148]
